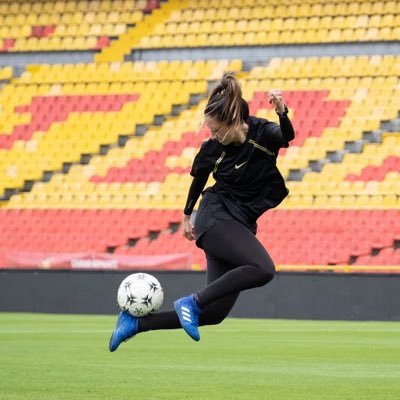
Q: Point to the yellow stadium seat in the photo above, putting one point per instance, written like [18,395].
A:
[390,201]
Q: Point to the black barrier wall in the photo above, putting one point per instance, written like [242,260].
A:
[289,295]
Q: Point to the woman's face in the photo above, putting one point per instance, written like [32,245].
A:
[220,132]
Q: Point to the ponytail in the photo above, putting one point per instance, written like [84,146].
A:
[226,104]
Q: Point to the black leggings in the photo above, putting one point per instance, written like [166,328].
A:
[236,261]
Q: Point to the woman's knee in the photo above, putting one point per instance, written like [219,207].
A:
[266,273]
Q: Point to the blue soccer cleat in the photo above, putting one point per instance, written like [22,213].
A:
[127,327]
[188,312]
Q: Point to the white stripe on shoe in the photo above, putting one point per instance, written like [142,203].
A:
[186,314]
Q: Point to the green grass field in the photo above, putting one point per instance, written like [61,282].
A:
[66,357]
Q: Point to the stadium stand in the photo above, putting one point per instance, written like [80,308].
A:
[95,156]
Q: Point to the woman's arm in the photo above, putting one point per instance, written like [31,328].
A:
[195,190]
[287,130]
[284,131]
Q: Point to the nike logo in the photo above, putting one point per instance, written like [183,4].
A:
[237,166]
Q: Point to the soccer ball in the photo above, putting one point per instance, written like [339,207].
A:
[140,294]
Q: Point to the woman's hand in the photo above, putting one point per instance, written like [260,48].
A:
[188,229]
[275,98]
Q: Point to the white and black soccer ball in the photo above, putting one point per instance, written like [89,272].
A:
[140,294]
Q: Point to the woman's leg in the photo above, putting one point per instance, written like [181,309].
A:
[247,263]
[212,314]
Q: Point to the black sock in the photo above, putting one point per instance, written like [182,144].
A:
[197,300]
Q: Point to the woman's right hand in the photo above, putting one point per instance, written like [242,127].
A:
[188,229]
[275,97]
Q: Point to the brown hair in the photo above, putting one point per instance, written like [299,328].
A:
[226,104]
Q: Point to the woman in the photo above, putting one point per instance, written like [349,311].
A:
[241,155]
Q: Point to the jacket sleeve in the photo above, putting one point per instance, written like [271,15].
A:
[195,190]
[201,169]
[281,134]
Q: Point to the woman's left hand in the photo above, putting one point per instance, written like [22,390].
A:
[188,229]
[275,97]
